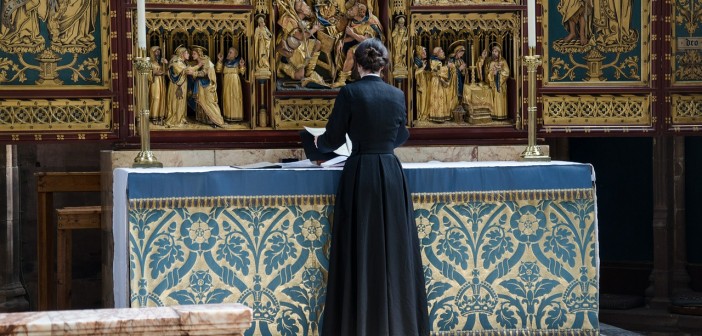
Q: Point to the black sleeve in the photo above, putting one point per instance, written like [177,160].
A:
[337,125]
[402,132]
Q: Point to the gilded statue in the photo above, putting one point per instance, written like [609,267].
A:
[178,71]
[204,91]
[456,57]
[497,75]
[399,48]
[439,87]
[481,65]
[19,25]
[477,98]
[362,25]
[421,81]
[297,48]
[231,69]
[157,90]
[262,47]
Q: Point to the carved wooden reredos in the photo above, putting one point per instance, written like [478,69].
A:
[67,68]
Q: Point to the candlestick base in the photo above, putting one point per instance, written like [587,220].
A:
[146,159]
[533,153]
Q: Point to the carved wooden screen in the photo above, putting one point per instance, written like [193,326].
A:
[67,71]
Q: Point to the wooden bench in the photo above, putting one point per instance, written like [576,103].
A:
[54,287]
[68,219]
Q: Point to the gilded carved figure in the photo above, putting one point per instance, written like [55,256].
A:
[456,57]
[477,97]
[262,47]
[399,48]
[480,66]
[439,87]
[178,71]
[421,80]
[232,68]
[362,25]
[297,48]
[497,75]
[157,90]
[204,90]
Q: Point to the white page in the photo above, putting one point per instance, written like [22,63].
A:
[344,149]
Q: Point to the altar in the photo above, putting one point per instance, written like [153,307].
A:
[507,246]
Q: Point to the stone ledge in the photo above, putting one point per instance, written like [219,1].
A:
[234,157]
[191,320]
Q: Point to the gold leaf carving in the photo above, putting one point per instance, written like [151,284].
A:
[295,113]
[587,110]
[55,115]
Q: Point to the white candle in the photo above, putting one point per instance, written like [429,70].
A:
[141,24]
[471,55]
[531,21]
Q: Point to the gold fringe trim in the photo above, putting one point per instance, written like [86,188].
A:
[520,332]
[419,198]
[503,195]
[229,201]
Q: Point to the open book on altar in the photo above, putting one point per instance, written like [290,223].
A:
[335,158]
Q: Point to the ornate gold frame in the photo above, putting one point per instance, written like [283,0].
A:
[213,26]
[296,113]
[508,24]
[686,109]
[454,3]
[55,115]
[592,111]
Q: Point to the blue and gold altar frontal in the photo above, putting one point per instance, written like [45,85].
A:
[507,247]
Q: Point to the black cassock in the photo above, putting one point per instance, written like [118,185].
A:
[376,280]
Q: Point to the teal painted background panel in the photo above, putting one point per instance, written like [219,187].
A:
[52,43]
[608,36]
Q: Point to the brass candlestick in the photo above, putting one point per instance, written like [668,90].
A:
[145,158]
[532,152]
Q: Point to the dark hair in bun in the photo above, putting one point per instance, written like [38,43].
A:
[371,55]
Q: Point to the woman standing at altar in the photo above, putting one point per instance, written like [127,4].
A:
[376,281]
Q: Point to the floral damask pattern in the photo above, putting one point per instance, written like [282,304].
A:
[524,264]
